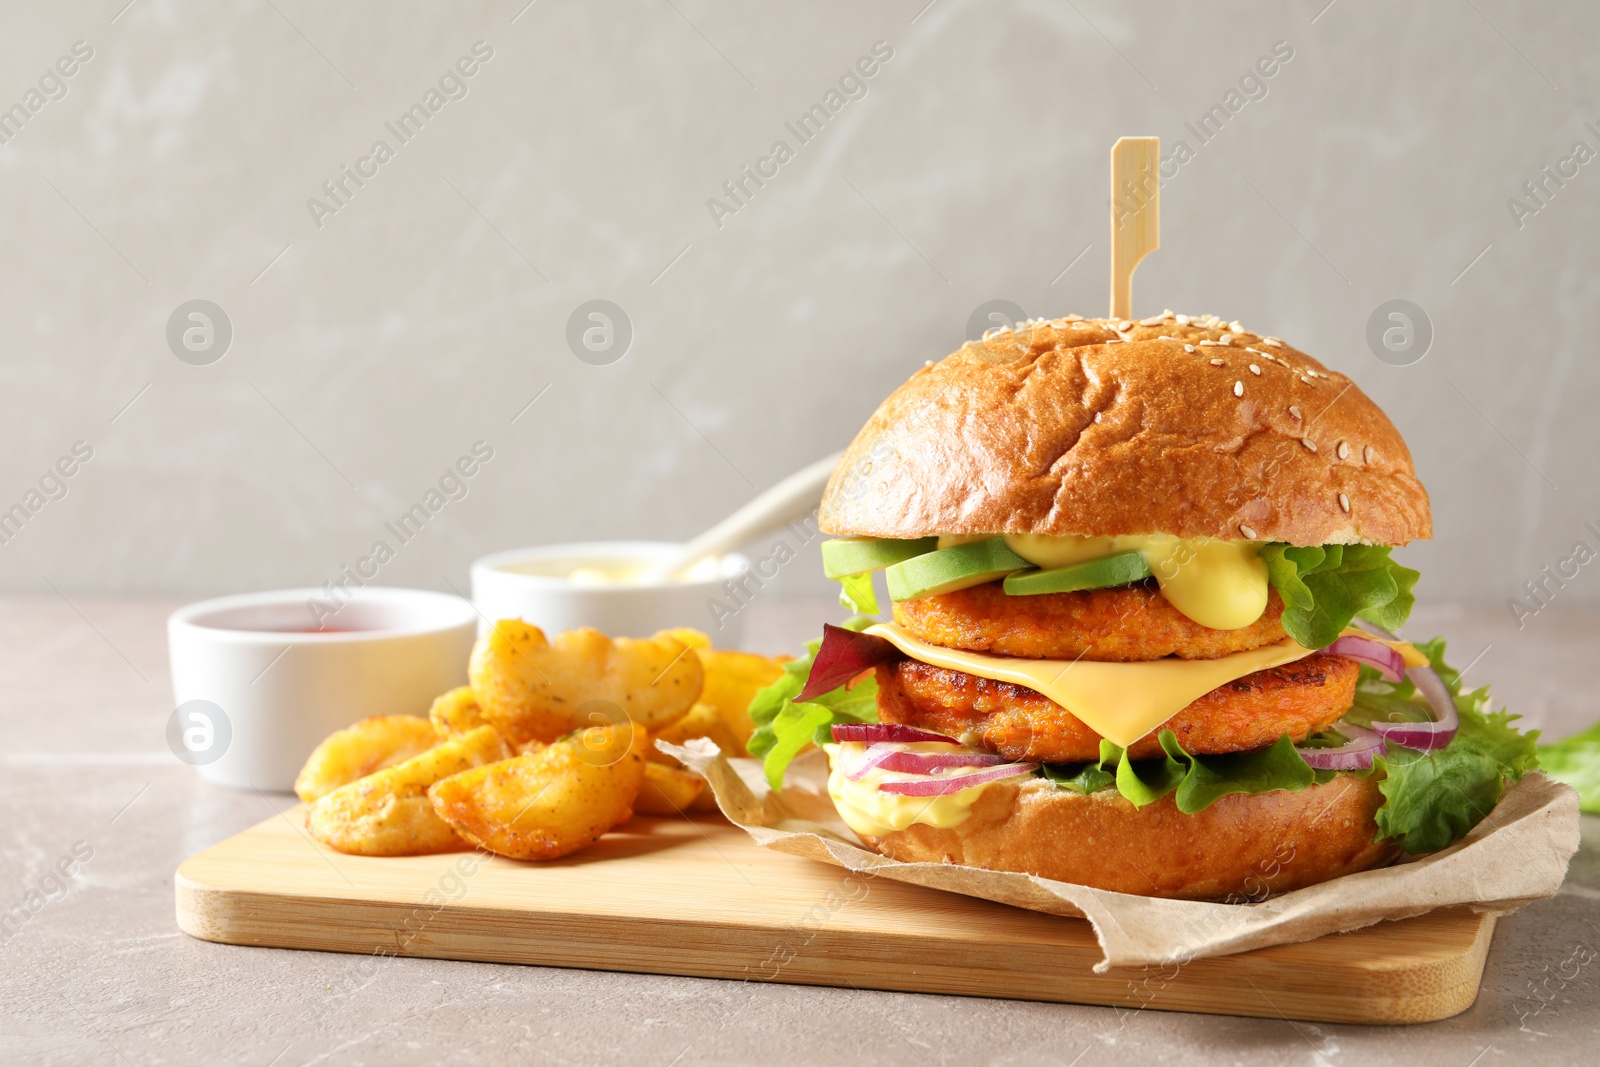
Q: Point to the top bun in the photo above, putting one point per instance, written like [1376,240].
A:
[1100,427]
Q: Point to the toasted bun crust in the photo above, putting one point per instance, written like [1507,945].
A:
[1075,427]
[1241,847]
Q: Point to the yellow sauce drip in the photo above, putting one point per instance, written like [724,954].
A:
[1220,584]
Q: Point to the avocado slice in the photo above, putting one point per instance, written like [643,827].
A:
[1120,569]
[950,569]
[845,556]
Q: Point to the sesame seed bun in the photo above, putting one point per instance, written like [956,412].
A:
[1191,427]
[1242,846]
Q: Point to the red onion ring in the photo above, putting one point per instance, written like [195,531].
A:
[929,762]
[890,757]
[1423,736]
[938,787]
[1375,654]
[1356,754]
[873,732]
[872,757]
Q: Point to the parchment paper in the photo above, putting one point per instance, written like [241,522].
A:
[1515,856]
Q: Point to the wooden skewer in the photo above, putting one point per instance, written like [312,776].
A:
[1135,214]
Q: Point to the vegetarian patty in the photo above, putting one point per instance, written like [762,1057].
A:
[1297,699]
[1122,624]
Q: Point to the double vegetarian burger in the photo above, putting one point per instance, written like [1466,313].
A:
[1141,631]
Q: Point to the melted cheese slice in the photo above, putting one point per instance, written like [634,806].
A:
[1121,702]
[1409,654]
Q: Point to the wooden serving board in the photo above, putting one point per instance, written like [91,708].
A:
[698,897]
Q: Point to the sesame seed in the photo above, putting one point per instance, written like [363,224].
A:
[1294,412]
[1254,369]
[1238,389]
[1308,381]
[1188,348]
[929,363]
[1250,535]
[1344,503]
[1273,341]
[1097,415]
[1122,327]
[1207,341]
[1080,324]
[1165,337]
[1235,327]
[1343,450]
[1182,320]
[1225,339]
[1154,320]
[1366,455]
[1216,362]
[1309,443]
[993,330]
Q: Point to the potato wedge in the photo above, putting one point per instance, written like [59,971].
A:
[357,751]
[534,689]
[389,814]
[456,712]
[668,791]
[551,802]
[732,679]
[703,720]
[689,636]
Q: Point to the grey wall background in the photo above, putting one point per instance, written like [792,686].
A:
[372,351]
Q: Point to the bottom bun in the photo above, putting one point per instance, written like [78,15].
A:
[1242,848]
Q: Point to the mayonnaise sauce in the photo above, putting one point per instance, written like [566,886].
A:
[873,813]
[1220,584]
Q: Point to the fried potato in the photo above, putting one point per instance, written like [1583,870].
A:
[732,679]
[388,813]
[456,712]
[534,689]
[552,802]
[357,751]
[667,791]
[689,636]
[703,720]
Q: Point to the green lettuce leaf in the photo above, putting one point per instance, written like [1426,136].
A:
[1210,778]
[1324,587]
[1430,798]
[1199,781]
[1084,778]
[784,728]
[1434,798]
[855,593]
[1576,761]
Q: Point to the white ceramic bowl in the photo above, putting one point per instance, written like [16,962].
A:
[282,686]
[532,584]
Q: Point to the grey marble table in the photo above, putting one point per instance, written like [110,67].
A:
[101,974]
